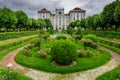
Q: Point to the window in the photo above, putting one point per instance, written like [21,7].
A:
[59,12]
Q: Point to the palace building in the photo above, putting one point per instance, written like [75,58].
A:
[60,20]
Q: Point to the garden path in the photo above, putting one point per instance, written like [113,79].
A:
[40,75]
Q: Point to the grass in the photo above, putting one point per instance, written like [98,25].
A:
[45,64]
[11,35]
[111,75]
[111,48]
[6,74]
[8,45]
[4,52]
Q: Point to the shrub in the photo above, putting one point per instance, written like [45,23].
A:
[89,43]
[6,74]
[42,54]
[61,37]
[78,34]
[70,31]
[11,35]
[26,52]
[63,52]
[92,37]
[84,53]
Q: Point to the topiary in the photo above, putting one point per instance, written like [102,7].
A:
[61,37]
[78,34]
[84,53]
[89,43]
[64,52]
[42,54]
[92,37]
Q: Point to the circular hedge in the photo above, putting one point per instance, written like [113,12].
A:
[64,52]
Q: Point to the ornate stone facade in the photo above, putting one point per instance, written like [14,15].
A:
[59,19]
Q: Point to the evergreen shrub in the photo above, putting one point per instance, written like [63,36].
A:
[92,37]
[61,37]
[64,52]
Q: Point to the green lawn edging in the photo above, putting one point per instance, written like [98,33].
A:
[45,64]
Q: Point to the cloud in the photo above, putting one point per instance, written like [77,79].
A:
[32,6]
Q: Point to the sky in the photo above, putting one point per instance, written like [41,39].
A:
[31,7]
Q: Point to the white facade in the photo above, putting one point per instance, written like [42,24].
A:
[61,20]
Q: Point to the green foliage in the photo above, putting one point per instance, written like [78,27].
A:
[6,51]
[14,43]
[6,74]
[11,35]
[48,23]
[7,18]
[61,37]
[84,63]
[89,43]
[78,34]
[85,53]
[110,42]
[91,37]
[70,31]
[63,52]
[106,34]
[42,54]
[110,75]
[22,19]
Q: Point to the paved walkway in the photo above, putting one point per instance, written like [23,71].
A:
[40,75]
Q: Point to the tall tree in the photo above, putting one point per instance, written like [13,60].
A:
[22,19]
[7,18]
[117,14]
[48,23]
[108,14]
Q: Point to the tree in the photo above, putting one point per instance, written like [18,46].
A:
[117,14]
[77,23]
[29,23]
[108,14]
[72,24]
[7,18]
[48,23]
[22,19]
[82,23]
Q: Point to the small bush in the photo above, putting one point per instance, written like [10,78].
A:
[42,54]
[26,52]
[85,53]
[92,37]
[61,37]
[63,52]
[89,43]
[78,35]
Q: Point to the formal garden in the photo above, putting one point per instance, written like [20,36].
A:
[31,50]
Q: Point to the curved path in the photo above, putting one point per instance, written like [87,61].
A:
[40,75]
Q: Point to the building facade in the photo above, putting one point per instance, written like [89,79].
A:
[60,20]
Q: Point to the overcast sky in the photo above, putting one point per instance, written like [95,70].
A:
[32,6]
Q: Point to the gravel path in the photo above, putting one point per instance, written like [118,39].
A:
[40,75]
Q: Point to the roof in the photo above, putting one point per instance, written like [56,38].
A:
[77,8]
[44,10]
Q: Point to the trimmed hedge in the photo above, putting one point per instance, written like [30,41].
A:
[64,52]
[11,44]
[109,42]
[92,37]
[107,34]
[10,35]
[6,74]
[45,64]
[110,75]
[6,51]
